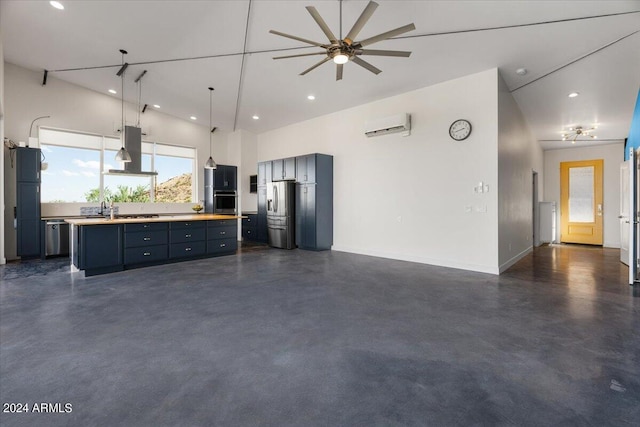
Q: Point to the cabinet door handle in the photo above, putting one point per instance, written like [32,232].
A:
[146,226]
[187,249]
[223,233]
[146,239]
[187,223]
[146,253]
[187,235]
[222,245]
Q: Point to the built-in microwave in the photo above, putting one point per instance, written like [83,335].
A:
[225,202]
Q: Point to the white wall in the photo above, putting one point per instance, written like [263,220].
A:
[612,155]
[519,154]
[3,259]
[75,108]
[407,197]
[248,166]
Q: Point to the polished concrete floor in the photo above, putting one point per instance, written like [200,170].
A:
[297,338]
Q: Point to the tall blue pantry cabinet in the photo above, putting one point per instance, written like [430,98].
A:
[28,202]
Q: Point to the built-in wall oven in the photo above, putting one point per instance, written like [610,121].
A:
[225,202]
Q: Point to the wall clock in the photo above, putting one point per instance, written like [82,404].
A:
[460,130]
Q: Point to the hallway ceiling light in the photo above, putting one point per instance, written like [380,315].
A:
[311,97]
[113,91]
[193,118]
[255,117]
[57,5]
[156,106]
[577,132]
[573,94]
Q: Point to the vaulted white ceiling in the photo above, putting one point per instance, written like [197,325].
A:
[598,56]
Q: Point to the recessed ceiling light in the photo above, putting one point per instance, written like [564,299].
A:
[573,94]
[57,5]
[156,106]
[255,117]
[521,71]
[193,118]
[311,97]
[112,91]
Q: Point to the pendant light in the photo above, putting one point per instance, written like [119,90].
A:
[122,155]
[210,163]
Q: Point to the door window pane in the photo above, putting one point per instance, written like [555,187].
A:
[581,194]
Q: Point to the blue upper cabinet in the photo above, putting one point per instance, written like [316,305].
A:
[225,178]
[306,169]
[283,169]
[28,164]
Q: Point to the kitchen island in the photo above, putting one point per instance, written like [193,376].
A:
[103,245]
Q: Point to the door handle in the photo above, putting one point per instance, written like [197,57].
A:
[599,209]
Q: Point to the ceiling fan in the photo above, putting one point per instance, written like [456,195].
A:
[578,131]
[347,49]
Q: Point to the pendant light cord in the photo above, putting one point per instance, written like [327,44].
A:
[122,98]
[210,118]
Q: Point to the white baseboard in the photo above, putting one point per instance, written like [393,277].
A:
[419,259]
[504,266]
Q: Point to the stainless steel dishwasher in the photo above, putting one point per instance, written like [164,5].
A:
[56,238]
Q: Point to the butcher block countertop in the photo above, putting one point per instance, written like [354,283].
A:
[161,218]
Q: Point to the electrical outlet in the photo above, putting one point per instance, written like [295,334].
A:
[399,219]
[468,209]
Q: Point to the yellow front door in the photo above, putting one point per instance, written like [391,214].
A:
[581,202]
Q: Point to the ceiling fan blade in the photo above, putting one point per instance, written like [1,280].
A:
[323,25]
[375,52]
[388,34]
[339,71]
[300,39]
[315,66]
[366,65]
[362,20]
[301,54]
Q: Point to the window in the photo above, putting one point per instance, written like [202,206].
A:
[76,161]
[74,166]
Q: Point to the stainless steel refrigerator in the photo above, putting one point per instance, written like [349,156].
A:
[281,214]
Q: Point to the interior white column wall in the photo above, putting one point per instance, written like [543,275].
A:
[249,166]
[411,198]
[613,155]
[519,154]
[3,258]
[76,108]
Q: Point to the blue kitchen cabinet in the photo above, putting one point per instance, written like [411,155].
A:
[283,169]
[186,239]
[249,227]
[222,237]
[100,248]
[314,202]
[146,243]
[29,230]
[225,178]
[264,173]
[261,218]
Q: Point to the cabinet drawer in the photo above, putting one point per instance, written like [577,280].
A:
[222,223]
[222,246]
[183,225]
[189,249]
[249,233]
[145,226]
[230,231]
[145,254]
[145,238]
[186,235]
[249,221]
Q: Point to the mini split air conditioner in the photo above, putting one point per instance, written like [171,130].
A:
[391,124]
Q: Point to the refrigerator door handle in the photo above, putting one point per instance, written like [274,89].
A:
[275,197]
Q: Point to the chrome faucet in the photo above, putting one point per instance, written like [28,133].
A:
[103,206]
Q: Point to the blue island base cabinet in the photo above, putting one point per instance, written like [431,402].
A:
[107,248]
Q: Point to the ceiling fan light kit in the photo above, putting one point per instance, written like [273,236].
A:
[347,49]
